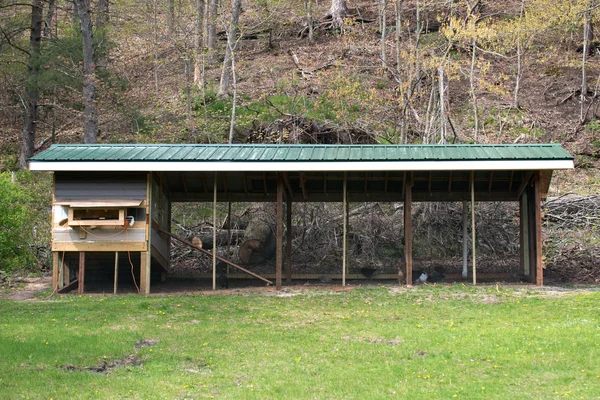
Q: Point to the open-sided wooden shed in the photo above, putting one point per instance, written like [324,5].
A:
[111,199]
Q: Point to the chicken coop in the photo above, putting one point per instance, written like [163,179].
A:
[111,210]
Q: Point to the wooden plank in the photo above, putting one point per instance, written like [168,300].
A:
[524,183]
[408,234]
[288,248]
[345,234]
[69,287]
[55,270]
[491,181]
[99,246]
[303,185]
[66,271]
[450,183]
[144,286]
[279,233]
[473,236]
[217,257]
[81,275]
[538,230]
[116,280]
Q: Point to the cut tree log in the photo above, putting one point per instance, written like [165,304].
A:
[258,243]
[206,238]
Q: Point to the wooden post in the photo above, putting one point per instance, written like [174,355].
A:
[537,192]
[473,250]
[146,256]
[288,248]
[279,233]
[408,234]
[465,222]
[228,233]
[214,249]
[55,271]
[345,237]
[524,232]
[116,272]
[81,275]
[66,272]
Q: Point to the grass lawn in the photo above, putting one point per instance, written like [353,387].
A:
[435,342]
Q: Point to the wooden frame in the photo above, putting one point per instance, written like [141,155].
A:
[73,221]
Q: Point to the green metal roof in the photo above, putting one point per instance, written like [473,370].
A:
[297,153]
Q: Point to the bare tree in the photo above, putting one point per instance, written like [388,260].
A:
[90,112]
[211,29]
[198,51]
[49,22]
[101,25]
[31,91]
[171,16]
[309,18]
[398,33]
[588,36]
[519,73]
[236,8]
[383,27]
[337,12]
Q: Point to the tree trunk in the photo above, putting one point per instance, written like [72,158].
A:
[519,60]
[90,113]
[101,36]
[236,7]
[383,27]
[31,90]
[337,12]
[198,53]
[49,23]
[211,24]
[223,235]
[258,243]
[309,18]
[171,16]
[398,35]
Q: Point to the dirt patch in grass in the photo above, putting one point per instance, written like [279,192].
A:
[140,344]
[376,340]
[105,366]
[29,288]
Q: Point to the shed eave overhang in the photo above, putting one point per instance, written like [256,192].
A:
[327,166]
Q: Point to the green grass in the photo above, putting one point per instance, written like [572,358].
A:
[427,342]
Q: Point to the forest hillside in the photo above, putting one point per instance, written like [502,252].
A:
[301,71]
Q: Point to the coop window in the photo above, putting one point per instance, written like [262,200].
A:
[96,216]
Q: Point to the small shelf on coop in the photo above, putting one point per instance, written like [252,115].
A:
[96,216]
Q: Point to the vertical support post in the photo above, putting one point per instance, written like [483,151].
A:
[345,237]
[228,233]
[55,271]
[146,256]
[116,272]
[144,276]
[537,191]
[288,248]
[524,231]
[473,249]
[66,272]
[465,222]
[214,249]
[408,234]
[81,275]
[279,233]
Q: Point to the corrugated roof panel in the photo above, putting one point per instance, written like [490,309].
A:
[300,153]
